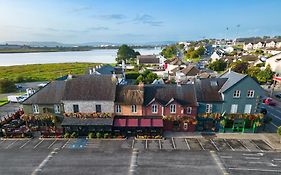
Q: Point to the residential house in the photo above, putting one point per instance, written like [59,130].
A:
[248,46]
[275,63]
[176,104]
[173,63]
[218,54]
[259,45]
[270,44]
[184,74]
[148,60]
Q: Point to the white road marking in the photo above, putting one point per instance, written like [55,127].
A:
[146,144]
[25,143]
[52,144]
[133,143]
[257,146]
[226,157]
[2,141]
[38,144]
[218,162]
[11,144]
[44,162]
[254,169]
[274,125]
[173,142]
[274,116]
[160,144]
[214,145]
[257,154]
[133,162]
[243,145]
[65,143]
[276,160]
[229,145]
[252,158]
[200,144]
[187,143]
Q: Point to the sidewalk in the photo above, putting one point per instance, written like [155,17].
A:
[271,138]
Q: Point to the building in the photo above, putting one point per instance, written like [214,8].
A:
[248,46]
[259,45]
[275,63]
[148,60]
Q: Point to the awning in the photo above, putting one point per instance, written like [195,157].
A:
[120,122]
[157,123]
[132,123]
[145,122]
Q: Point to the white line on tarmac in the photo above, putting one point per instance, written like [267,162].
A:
[133,143]
[146,144]
[38,144]
[52,144]
[254,169]
[274,116]
[218,162]
[187,143]
[257,154]
[173,142]
[11,144]
[257,146]
[133,162]
[226,157]
[160,144]
[25,143]
[65,143]
[44,162]
[252,158]
[243,145]
[2,141]
[214,145]
[200,144]
[274,125]
[229,145]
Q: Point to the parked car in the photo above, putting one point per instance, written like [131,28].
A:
[263,111]
[269,101]
[278,96]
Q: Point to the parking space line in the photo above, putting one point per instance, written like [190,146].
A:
[187,143]
[133,143]
[65,143]
[173,142]
[11,144]
[218,162]
[214,145]
[2,141]
[25,143]
[254,169]
[146,144]
[252,158]
[226,157]
[38,144]
[160,145]
[244,145]
[52,144]
[133,162]
[251,141]
[229,145]
[200,144]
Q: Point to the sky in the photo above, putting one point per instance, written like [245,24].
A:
[133,21]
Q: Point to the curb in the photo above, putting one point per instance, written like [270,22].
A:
[16,139]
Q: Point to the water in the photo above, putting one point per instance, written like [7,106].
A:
[96,56]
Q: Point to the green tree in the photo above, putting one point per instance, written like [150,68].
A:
[253,71]
[240,66]
[169,51]
[265,75]
[146,77]
[279,132]
[7,86]
[218,65]
[126,53]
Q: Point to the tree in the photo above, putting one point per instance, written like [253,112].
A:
[240,66]
[169,51]
[147,77]
[7,86]
[218,65]
[265,75]
[279,132]
[126,53]
[253,71]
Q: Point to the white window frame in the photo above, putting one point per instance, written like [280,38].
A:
[209,108]
[118,109]
[248,112]
[237,94]
[35,109]
[134,108]
[57,109]
[154,108]
[173,109]
[232,109]
[189,110]
[251,93]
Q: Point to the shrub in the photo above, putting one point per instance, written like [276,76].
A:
[74,135]
[132,75]
[99,135]
[106,135]
[91,135]
[66,135]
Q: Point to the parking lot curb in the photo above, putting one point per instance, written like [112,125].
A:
[16,138]
[149,139]
[41,138]
[107,139]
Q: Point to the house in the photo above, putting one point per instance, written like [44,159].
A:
[148,60]
[173,63]
[270,44]
[218,54]
[275,63]
[251,59]
[184,74]
[259,45]
[278,44]
[248,46]
[176,104]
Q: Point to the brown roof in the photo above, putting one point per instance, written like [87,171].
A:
[90,87]
[207,90]
[249,58]
[129,94]
[50,94]
[148,59]
[183,94]
[175,61]
[190,70]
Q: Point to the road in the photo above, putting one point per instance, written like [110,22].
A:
[275,113]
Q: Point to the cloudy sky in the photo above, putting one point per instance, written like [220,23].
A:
[78,21]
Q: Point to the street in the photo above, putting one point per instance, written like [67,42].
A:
[275,113]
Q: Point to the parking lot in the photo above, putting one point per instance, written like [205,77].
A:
[187,144]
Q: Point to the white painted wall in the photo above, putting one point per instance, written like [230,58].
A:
[89,106]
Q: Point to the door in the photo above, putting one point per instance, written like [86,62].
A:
[248,108]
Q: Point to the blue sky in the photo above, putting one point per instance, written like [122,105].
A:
[129,21]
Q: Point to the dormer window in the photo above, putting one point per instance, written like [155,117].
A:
[236,94]
[172,108]
[154,108]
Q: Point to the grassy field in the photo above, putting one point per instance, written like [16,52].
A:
[3,101]
[42,72]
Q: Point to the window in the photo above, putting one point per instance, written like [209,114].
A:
[209,108]
[57,109]
[236,94]
[35,109]
[134,108]
[251,94]
[75,108]
[248,108]
[188,110]
[98,108]
[154,108]
[172,108]
[234,108]
[118,108]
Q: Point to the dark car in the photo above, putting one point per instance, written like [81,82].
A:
[278,96]
[263,111]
